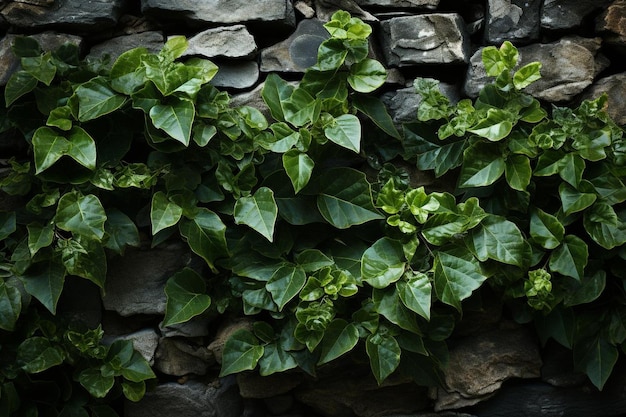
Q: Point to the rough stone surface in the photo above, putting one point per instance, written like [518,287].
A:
[615,88]
[236,74]
[437,38]
[297,52]
[479,365]
[196,327]
[612,23]
[78,15]
[178,357]
[513,20]
[145,342]
[222,11]
[49,41]
[568,67]
[253,385]
[135,283]
[324,9]
[153,41]
[406,4]
[566,14]
[192,399]
[226,41]
[223,333]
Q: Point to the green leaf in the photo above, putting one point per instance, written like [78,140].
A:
[134,391]
[95,383]
[258,211]
[299,167]
[175,119]
[331,55]
[82,147]
[85,258]
[527,75]
[545,229]
[387,302]
[498,239]
[44,281]
[81,214]
[285,284]
[493,62]
[137,369]
[163,212]
[456,275]
[570,258]
[495,126]
[373,108]
[596,357]
[549,163]
[96,98]
[339,337]
[275,359]
[586,290]
[206,236]
[275,92]
[605,234]
[186,297]
[241,353]
[300,108]
[383,263]
[41,67]
[384,353]
[48,147]
[19,84]
[367,75]
[311,260]
[121,231]
[10,305]
[571,170]
[127,72]
[482,165]
[345,131]
[37,354]
[518,172]
[345,198]
[61,117]
[24,46]
[415,293]
[8,224]
[174,48]
[573,200]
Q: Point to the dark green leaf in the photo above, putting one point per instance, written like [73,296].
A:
[596,357]
[456,275]
[299,167]
[163,212]
[495,126]
[241,353]
[36,354]
[85,258]
[373,108]
[48,147]
[19,84]
[175,119]
[137,369]
[311,260]
[387,302]
[384,354]
[258,211]
[345,131]
[585,291]
[570,258]
[96,98]
[134,391]
[10,305]
[545,229]
[285,284]
[121,231]
[415,293]
[41,67]
[81,214]
[8,224]
[339,337]
[186,297]
[518,172]
[275,92]
[275,359]
[82,147]
[498,239]
[483,165]
[206,235]
[95,383]
[383,263]
[573,200]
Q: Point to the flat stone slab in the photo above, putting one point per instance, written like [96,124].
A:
[512,20]
[225,41]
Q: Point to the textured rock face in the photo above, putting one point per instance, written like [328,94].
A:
[417,4]
[615,88]
[227,41]
[612,23]
[438,38]
[565,14]
[152,40]
[513,20]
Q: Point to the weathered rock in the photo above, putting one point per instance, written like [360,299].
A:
[144,341]
[326,8]
[49,41]
[615,88]
[180,357]
[437,38]
[402,104]
[236,74]
[568,67]
[298,52]
[225,41]
[222,11]
[252,98]
[513,20]
[192,399]
[253,385]
[153,41]
[135,283]
[612,24]
[567,14]
[479,365]
[404,4]
[305,7]
[195,327]
[70,15]
[224,332]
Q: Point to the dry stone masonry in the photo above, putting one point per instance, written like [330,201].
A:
[496,368]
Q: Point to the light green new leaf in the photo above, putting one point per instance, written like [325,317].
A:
[527,75]
[573,200]
[95,383]
[48,147]
[10,305]
[495,126]
[258,211]
[206,235]
[545,229]
[241,353]
[339,337]
[367,75]
[415,292]
[19,84]
[456,274]
[96,98]
[275,359]
[81,214]
[518,172]
[596,357]
[121,231]
[345,198]
[570,258]
[44,281]
[175,119]
[492,60]
[174,48]
[299,167]
[163,212]
[498,239]
[384,353]
[285,284]
[37,354]
[127,72]
[345,131]
[186,297]
[383,263]
[82,147]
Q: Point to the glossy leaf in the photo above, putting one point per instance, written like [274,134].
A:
[339,337]
[82,147]
[206,235]
[367,75]
[37,354]
[596,357]
[95,383]
[258,211]
[573,200]
[121,231]
[285,284]
[482,166]
[137,369]
[275,92]
[134,391]
[374,108]
[300,108]
[545,229]
[175,119]
[127,73]
[587,290]
[96,98]
[275,359]
[85,258]
[186,297]
[48,148]
[19,84]
[384,353]
[10,305]
[415,293]
[81,214]
[383,263]
[299,167]
[518,172]
[345,131]
[495,126]
[456,275]
[241,352]
[527,75]
[570,258]
[8,224]
[498,239]
[387,302]
[163,212]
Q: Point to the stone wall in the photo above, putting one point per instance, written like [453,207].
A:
[496,368]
